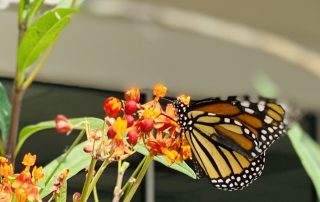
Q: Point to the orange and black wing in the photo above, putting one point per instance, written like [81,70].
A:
[239,124]
[226,168]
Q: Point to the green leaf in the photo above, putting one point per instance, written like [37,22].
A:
[42,34]
[309,153]
[30,130]
[35,6]
[75,162]
[181,167]
[23,5]
[5,111]
[265,86]
[62,195]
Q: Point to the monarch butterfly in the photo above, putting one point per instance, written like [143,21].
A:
[229,137]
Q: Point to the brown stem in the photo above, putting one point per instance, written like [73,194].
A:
[14,124]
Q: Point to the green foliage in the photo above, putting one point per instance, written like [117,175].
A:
[30,130]
[5,110]
[181,167]
[62,195]
[76,161]
[309,153]
[41,35]
[23,5]
[265,86]
[34,8]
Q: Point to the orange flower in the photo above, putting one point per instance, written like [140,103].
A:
[185,99]
[132,94]
[6,192]
[37,173]
[3,160]
[167,120]
[6,170]
[21,195]
[159,91]
[119,126]
[112,106]
[29,160]
[23,180]
[151,113]
[33,193]
[158,145]
[175,149]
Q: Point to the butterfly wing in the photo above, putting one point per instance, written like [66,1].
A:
[226,168]
[239,123]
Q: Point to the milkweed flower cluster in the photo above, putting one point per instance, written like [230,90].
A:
[22,187]
[129,123]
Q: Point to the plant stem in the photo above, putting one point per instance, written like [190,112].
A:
[14,122]
[94,181]
[17,93]
[75,143]
[136,184]
[85,194]
[95,194]
[117,189]
[133,176]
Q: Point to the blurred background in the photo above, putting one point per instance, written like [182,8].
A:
[202,48]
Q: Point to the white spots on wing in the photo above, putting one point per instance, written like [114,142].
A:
[261,107]
[245,103]
[250,111]
[238,123]
[270,130]
[263,131]
[226,120]
[247,131]
[263,138]
[268,119]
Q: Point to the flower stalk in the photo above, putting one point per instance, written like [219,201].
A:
[122,167]
[75,143]
[85,193]
[135,185]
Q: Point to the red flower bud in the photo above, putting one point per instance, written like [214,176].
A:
[63,125]
[130,120]
[76,197]
[130,107]
[132,137]
[146,125]
[112,106]
[111,133]
[88,149]
[132,94]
